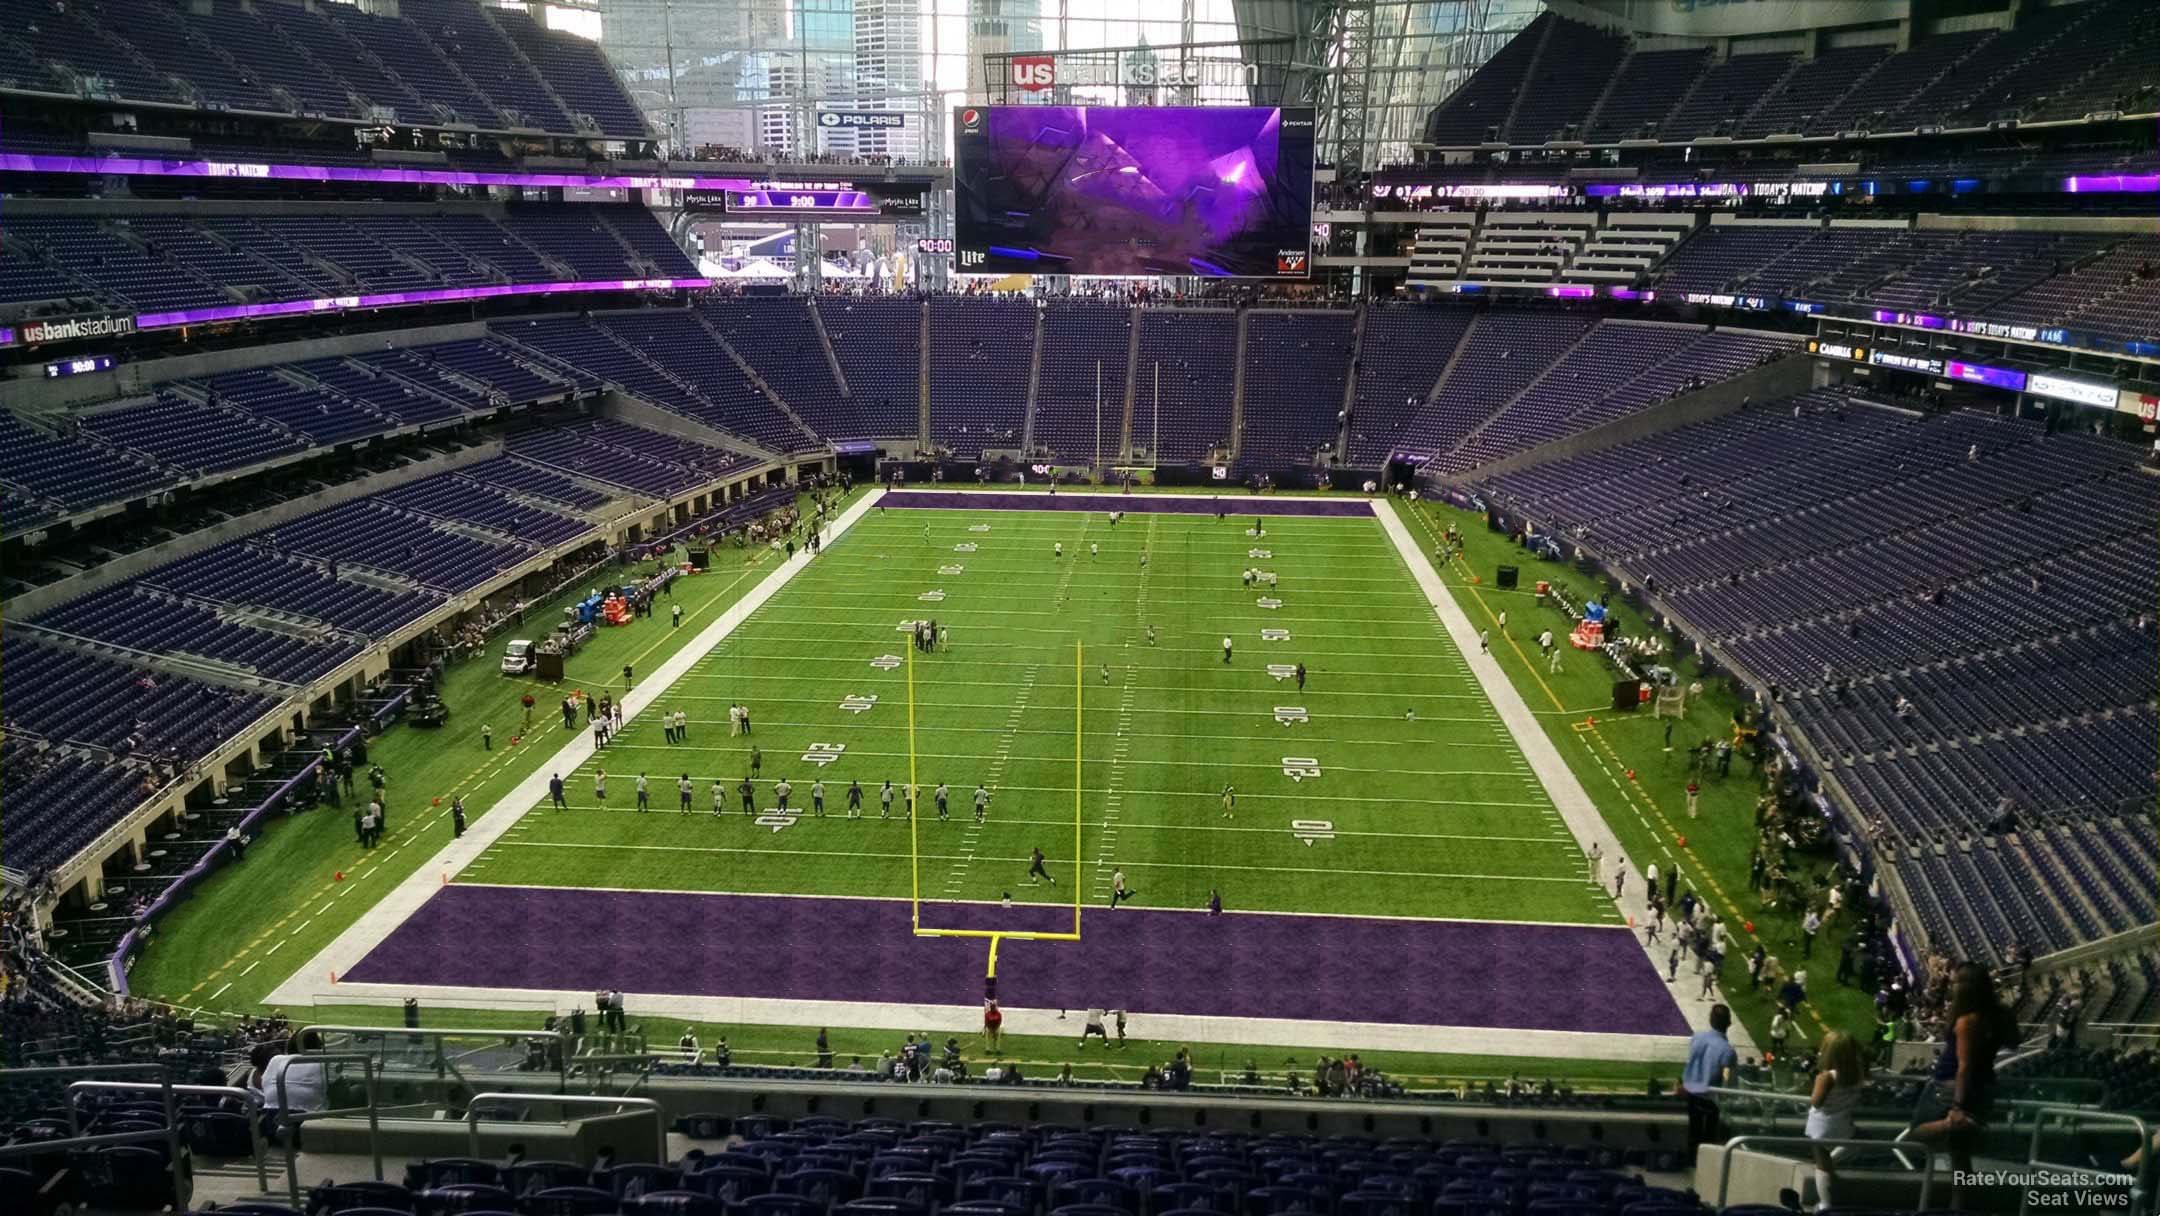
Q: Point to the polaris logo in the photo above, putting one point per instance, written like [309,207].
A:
[1034,73]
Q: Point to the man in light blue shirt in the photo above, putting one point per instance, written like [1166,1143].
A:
[1710,1063]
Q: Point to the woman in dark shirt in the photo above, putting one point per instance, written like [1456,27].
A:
[1963,1091]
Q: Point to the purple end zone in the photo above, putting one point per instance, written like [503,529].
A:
[1137,504]
[1327,968]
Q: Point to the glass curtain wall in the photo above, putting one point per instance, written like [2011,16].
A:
[775,77]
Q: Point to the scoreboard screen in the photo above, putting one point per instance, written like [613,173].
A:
[813,200]
[1220,191]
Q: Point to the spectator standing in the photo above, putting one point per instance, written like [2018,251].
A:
[1710,1062]
[1962,1085]
[1839,1080]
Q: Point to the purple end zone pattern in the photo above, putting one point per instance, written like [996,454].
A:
[1136,504]
[1331,968]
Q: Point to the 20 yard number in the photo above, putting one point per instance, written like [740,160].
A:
[1300,768]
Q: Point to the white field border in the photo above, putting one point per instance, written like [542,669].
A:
[312,983]
[1576,809]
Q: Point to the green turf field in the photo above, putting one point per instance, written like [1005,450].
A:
[1345,594]
[1387,786]
[1646,813]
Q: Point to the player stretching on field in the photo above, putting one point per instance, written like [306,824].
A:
[1035,868]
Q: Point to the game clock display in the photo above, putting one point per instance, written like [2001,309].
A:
[1221,192]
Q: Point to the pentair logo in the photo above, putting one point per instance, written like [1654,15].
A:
[1034,72]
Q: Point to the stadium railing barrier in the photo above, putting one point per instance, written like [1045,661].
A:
[1898,1149]
[2075,1121]
[175,1161]
[393,1050]
[290,1121]
[251,1104]
[475,1107]
[1767,1116]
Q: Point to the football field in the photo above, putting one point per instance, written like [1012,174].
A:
[1382,849]
[1387,785]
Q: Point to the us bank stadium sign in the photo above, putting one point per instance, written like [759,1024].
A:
[112,325]
[1033,73]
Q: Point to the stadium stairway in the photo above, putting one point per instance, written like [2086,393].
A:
[1237,384]
[751,374]
[1034,384]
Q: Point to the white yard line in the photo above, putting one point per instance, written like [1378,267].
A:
[1577,811]
[310,983]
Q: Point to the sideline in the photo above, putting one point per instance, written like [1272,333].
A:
[314,982]
[1577,810]
[967,1019]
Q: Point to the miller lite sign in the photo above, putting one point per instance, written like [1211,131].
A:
[1034,73]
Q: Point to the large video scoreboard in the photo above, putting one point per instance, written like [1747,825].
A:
[1151,190]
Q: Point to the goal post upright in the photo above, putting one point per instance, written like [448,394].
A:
[914,845]
[997,937]
[1079,749]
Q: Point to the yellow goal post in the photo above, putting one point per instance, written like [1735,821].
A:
[997,936]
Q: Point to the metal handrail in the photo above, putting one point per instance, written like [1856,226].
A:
[386,1033]
[170,1135]
[1897,1148]
[2043,1112]
[288,1122]
[472,1114]
[251,1100]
